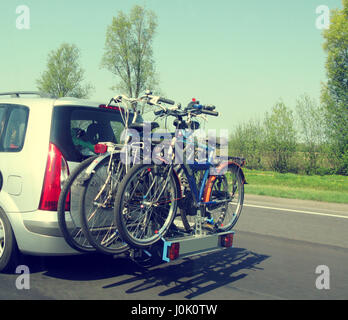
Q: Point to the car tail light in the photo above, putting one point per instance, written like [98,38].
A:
[56,173]
[100,148]
[226,240]
[173,251]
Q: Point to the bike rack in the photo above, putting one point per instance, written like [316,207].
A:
[181,245]
[175,248]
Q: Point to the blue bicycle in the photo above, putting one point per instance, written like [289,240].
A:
[207,195]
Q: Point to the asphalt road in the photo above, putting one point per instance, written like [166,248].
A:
[278,246]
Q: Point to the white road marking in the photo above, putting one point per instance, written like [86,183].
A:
[298,211]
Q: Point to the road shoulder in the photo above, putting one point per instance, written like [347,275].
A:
[296,204]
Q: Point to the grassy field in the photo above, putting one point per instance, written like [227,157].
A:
[331,188]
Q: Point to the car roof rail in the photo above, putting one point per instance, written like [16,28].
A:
[17,94]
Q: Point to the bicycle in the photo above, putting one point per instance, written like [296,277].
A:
[148,196]
[69,215]
[102,178]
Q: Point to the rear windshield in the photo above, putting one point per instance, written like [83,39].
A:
[13,126]
[75,130]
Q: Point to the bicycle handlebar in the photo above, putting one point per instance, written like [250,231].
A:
[158,112]
[165,100]
[210,112]
[191,109]
[210,107]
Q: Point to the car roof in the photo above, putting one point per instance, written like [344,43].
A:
[77,102]
[39,101]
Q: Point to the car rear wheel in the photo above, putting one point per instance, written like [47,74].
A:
[8,245]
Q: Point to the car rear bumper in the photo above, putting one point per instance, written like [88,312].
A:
[38,233]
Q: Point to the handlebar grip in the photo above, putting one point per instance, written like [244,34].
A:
[165,100]
[210,107]
[158,112]
[211,113]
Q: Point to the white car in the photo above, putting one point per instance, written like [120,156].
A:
[41,140]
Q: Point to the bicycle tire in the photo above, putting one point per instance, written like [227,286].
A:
[224,216]
[96,208]
[144,182]
[69,223]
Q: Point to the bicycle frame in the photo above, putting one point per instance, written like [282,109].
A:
[189,168]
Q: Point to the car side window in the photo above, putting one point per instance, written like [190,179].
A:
[13,124]
[2,120]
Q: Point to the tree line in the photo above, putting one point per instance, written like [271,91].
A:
[311,138]
[286,139]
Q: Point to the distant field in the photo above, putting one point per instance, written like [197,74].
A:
[331,188]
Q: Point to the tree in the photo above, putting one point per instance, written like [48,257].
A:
[311,122]
[128,51]
[247,141]
[335,91]
[280,137]
[64,75]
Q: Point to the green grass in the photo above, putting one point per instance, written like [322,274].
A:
[331,188]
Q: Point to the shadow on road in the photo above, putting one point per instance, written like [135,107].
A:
[195,276]
[191,276]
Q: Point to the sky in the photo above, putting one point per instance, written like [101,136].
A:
[242,56]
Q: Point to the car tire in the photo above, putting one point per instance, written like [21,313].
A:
[9,252]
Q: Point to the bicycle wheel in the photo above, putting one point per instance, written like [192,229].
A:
[68,215]
[146,204]
[97,206]
[227,194]
[227,191]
